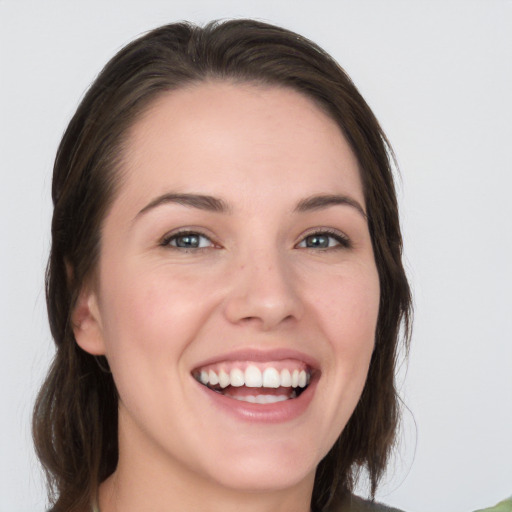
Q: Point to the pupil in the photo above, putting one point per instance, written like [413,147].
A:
[188,241]
[321,241]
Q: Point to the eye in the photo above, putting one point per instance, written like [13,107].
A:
[324,240]
[187,240]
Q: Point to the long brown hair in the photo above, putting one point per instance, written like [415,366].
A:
[75,416]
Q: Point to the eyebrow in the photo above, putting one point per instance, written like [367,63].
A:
[214,204]
[322,201]
[202,202]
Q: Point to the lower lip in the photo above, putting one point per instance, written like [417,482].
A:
[278,412]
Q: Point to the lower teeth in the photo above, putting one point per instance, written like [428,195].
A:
[260,399]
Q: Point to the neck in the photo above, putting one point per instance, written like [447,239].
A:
[115,496]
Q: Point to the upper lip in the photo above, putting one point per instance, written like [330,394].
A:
[262,356]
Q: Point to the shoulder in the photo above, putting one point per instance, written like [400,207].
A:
[356,504]
[502,506]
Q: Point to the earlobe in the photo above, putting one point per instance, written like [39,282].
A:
[86,323]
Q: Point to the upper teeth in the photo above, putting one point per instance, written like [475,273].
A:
[253,377]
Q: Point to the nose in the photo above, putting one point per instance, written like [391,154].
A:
[263,293]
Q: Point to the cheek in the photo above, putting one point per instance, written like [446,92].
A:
[358,321]
[149,321]
[152,315]
[348,307]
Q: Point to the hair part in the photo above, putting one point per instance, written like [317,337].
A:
[75,416]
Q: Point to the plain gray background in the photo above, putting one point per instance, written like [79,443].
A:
[438,75]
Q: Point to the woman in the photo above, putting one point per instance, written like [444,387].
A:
[225,285]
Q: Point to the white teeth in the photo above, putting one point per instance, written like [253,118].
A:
[261,399]
[213,379]
[270,399]
[253,378]
[271,378]
[224,380]
[286,378]
[237,377]
[249,398]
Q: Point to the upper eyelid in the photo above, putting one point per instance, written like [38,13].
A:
[323,231]
[164,240]
[188,229]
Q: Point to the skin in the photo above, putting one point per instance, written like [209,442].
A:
[157,311]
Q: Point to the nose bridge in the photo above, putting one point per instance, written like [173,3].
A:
[263,289]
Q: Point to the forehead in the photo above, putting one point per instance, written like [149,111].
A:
[216,133]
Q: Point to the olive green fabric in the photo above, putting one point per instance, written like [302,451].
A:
[502,506]
[355,504]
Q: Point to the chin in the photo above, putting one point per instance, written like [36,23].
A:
[265,476]
[266,467]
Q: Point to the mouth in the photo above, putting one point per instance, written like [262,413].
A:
[256,382]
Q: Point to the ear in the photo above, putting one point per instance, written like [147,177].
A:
[86,321]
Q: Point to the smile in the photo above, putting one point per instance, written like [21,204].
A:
[258,383]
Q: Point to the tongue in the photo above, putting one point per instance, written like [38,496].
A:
[244,391]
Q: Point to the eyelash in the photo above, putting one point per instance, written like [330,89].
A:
[169,238]
[342,241]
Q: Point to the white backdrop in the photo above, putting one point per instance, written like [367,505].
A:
[439,77]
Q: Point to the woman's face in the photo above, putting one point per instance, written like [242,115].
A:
[236,252]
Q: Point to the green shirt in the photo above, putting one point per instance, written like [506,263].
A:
[355,504]
[502,506]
